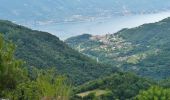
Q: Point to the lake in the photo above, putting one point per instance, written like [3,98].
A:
[100,27]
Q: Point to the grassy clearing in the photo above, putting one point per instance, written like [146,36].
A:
[97,93]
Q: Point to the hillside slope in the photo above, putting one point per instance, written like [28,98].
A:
[120,86]
[43,50]
[144,49]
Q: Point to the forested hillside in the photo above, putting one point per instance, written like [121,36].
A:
[43,50]
[17,84]
[123,86]
[143,50]
[119,86]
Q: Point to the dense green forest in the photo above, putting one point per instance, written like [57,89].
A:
[123,86]
[154,93]
[43,50]
[119,86]
[16,83]
[144,50]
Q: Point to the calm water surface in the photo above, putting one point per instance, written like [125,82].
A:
[100,27]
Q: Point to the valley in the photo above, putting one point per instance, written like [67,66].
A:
[48,68]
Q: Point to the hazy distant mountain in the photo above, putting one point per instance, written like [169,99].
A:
[73,10]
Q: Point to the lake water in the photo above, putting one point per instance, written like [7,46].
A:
[100,27]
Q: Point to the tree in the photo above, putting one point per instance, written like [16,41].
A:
[154,93]
[53,87]
[47,86]
[10,72]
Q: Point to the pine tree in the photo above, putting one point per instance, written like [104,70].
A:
[10,72]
